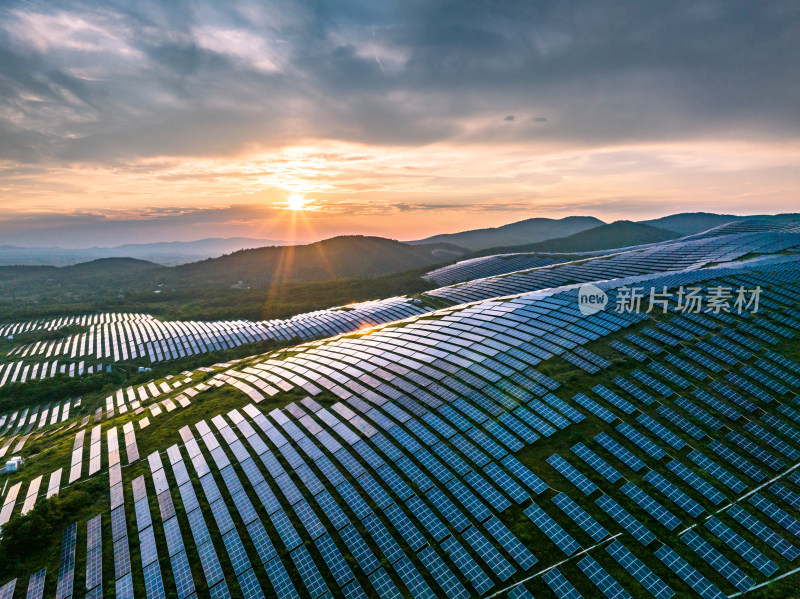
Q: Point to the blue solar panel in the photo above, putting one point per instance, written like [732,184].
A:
[454,516]
[309,573]
[596,462]
[661,431]
[752,555]
[411,578]
[651,506]
[764,533]
[553,531]
[524,474]
[383,539]
[562,588]
[578,515]
[442,574]
[636,568]
[384,586]
[696,581]
[334,560]
[497,564]
[467,565]
[681,499]
[775,513]
[572,474]
[467,498]
[640,441]
[512,545]
[737,461]
[717,560]
[595,408]
[628,523]
[620,452]
[602,579]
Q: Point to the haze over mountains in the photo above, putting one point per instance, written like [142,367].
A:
[166,253]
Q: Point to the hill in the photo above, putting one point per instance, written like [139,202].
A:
[531,230]
[619,234]
[299,278]
[689,223]
[335,258]
[168,253]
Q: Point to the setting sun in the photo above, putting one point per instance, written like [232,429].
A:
[296,201]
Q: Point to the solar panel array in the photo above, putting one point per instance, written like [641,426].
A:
[414,461]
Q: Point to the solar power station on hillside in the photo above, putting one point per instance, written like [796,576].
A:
[511,446]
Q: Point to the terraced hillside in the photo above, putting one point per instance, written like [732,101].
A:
[511,446]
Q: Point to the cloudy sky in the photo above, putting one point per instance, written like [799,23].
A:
[175,120]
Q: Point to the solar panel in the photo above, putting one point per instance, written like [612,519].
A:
[717,560]
[622,517]
[678,497]
[442,574]
[524,474]
[578,515]
[36,585]
[772,462]
[497,564]
[279,578]
[562,588]
[448,509]
[66,565]
[602,579]
[696,482]
[512,545]
[737,461]
[595,408]
[467,498]
[586,486]
[467,565]
[682,423]
[772,440]
[636,568]
[764,533]
[614,399]
[402,523]
[696,581]
[661,431]
[383,585]
[640,441]
[309,573]
[334,560]
[383,538]
[775,513]
[651,506]
[425,516]
[597,463]
[620,452]
[359,549]
[752,555]
[635,391]
[553,531]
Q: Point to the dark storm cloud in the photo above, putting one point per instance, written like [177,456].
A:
[118,80]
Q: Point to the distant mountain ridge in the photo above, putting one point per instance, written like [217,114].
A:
[689,223]
[531,230]
[619,234]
